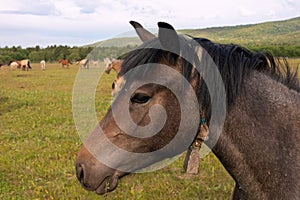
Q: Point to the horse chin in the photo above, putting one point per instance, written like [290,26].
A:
[108,185]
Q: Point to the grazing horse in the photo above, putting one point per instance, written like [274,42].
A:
[114,64]
[256,136]
[65,63]
[14,65]
[84,63]
[43,65]
[24,64]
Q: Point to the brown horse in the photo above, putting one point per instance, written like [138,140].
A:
[257,138]
[114,64]
[65,63]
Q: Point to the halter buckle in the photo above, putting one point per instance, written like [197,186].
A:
[192,158]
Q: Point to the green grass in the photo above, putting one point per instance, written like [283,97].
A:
[39,144]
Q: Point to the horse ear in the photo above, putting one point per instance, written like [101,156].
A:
[168,37]
[142,33]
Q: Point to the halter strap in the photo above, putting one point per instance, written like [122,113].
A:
[202,134]
[192,159]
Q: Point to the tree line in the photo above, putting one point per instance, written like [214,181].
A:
[54,53]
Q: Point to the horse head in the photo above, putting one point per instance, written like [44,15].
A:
[154,117]
[108,64]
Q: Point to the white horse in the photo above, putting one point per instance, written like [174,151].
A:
[43,65]
[84,64]
[25,64]
[14,65]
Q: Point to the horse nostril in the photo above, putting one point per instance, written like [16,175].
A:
[80,173]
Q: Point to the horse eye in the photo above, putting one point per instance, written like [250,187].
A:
[140,98]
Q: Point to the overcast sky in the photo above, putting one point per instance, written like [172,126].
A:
[79,22]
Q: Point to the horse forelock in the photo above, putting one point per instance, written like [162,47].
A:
[153,52]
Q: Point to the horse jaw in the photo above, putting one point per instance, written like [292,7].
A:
[109,184]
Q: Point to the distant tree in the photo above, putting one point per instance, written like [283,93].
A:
[37,48]
[36,56]
[74,56]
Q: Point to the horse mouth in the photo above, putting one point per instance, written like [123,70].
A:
[108,184]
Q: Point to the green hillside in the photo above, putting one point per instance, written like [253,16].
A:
[270,33]
[280,33]
[117,42]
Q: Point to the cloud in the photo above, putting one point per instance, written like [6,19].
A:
[94,20]
[87,7]
[27,7]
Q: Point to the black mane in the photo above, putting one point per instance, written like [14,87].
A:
[234,62]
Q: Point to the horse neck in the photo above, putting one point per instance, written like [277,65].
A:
[260,141]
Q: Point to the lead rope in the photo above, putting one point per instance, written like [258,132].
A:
[192,158]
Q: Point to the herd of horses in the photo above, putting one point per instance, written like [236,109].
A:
[110,64]
[257,139]
[65,63]
[84,63]
[23,65]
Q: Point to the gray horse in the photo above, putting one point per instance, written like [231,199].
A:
[260,139]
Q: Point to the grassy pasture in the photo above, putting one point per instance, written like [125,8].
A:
[39,143]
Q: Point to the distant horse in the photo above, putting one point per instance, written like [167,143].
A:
[24,64]
[14,65]
[258,141]
[95,63]
[43,65]
[84,63]
[65,63]
[114,64]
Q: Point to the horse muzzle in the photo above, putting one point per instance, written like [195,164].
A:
[93,175]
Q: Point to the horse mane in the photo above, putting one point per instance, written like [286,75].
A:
[235,64]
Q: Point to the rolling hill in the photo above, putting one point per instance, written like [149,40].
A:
[285,32]
[281,33]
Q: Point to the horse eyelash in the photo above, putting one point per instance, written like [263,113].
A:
[144,98]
